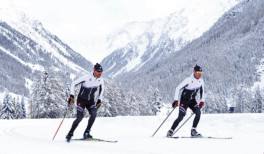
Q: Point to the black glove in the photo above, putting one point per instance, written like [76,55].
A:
[175,104]
[71,99]
[98,104]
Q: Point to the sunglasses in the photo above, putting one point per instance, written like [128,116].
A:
[99,71]
[199,72]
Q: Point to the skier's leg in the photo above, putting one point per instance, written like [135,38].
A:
[78,119]
[182,112]
[93,113]
[179,119]
[176,123]
[196,120]
[195,108]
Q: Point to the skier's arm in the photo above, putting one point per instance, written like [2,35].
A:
[101,91]
[77,81]
[202,93]
[179,87]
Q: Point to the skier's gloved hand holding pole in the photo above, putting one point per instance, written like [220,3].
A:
[71,99]
[201,104]
[98,104]
[175,104]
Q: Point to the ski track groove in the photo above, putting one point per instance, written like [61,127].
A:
[11,132]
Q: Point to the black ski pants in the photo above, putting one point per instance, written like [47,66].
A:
[184,104]
[81,105]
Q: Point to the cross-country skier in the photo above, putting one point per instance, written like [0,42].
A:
[89,97]
[191,85]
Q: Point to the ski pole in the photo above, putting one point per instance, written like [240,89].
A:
[183,124]
[164,121]
[62,120]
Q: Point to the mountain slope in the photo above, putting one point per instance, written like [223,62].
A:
[229,53]
[140,44]
[26,48]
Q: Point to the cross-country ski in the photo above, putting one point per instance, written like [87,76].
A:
[94,139]
[201,137]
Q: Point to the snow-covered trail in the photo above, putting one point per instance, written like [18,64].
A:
[134,136]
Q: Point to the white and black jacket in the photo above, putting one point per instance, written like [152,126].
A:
[92,88]
[190,87]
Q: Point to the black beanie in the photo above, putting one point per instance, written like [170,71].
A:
[197,68]
[98,67]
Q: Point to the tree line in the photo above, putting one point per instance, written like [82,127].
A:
[12,108]
[49,95]
[48,99]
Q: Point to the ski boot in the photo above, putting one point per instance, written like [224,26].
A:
[87,134]
[170,133]
[69,136]
[194,133]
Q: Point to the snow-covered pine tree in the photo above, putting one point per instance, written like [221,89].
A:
[210,104]
[258,101]
[133,101]
[18,109]
[23,109]
[38,94]
[244,100]
[114,101]
[0,107]
[56,95]
[7,111]
[48,96]
[153,100]
[157,103]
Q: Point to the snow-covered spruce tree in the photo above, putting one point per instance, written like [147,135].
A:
[23,109]
[0,107]
[18,109]
[244,101]
[211,105]
[258,101]
[7,111]
[133,101]
[48,96]
[154,100]
[37,95]
[114,101]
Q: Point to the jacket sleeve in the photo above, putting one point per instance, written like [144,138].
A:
[77,81]
[179,87]
[202,97]
[101,93]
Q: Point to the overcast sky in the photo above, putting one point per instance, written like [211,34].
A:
[83,23]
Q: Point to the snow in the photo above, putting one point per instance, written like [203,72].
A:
[141,48]
[134,135]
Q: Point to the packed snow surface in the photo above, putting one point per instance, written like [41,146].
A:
[134,135]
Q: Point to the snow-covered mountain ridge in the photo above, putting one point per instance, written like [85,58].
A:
[26,48]
[230,54]
[138,44]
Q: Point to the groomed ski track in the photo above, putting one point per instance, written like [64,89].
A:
[32,136]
